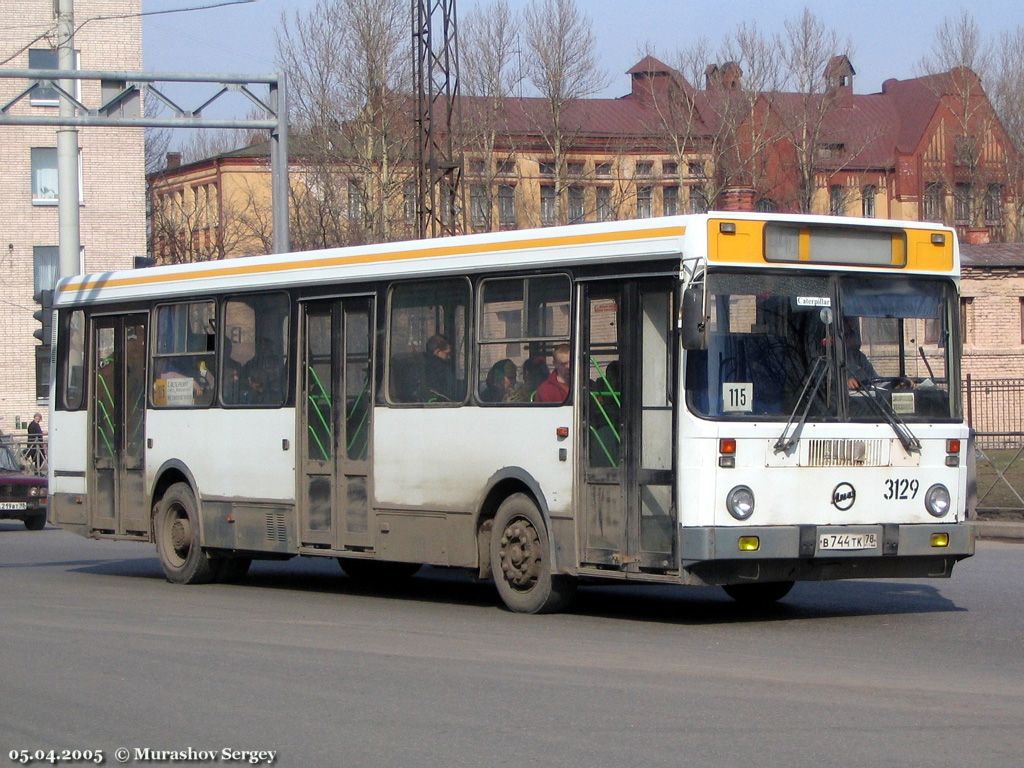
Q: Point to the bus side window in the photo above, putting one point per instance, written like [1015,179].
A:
[427,337]
[521,321]
[254,369]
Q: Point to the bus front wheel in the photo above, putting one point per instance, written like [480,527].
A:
[177,538]
[521,560]
[758,594]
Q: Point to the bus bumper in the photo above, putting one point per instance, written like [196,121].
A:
[723,555]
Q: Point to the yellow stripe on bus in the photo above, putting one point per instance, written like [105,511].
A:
[403,255]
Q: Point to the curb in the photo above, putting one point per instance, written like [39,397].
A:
[1003,530]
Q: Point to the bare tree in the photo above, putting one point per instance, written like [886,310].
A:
[491,73]
[562,65]
[347,63]
[806,48]
[1006,78]
[957,65]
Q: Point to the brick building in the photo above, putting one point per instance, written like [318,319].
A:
[112,181]
[992,310]
[928,148]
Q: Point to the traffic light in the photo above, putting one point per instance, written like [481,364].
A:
[45,317]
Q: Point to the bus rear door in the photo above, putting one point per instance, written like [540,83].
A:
[627,517]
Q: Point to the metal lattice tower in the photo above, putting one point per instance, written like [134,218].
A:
[436,75]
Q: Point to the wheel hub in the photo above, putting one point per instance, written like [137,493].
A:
[520,554]
[181,535]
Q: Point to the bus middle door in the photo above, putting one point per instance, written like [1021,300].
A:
[627,515]
[118,427]
[337,408]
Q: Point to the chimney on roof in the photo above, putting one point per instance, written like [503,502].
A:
[736,199]
[727,77]
[839,74]
[173,160]
[650,80]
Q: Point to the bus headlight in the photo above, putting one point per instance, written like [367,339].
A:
[936,500]
[740,502]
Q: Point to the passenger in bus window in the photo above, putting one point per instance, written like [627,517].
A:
[555,388]
[535,371]
[438,382]
[501,382]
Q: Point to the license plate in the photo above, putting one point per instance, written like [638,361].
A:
[847,541]
[12,506]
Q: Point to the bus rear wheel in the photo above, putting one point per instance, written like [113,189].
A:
[758,594]
[521,560]
[176,531]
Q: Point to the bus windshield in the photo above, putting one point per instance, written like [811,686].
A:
[884,342]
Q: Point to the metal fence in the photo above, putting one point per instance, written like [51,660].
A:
[995,413]
[30,456]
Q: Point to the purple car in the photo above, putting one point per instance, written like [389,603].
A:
[22,495]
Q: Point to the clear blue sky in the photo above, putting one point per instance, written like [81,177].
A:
[888,37]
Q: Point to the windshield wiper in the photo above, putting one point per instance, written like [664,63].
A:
[812,384]
[899,426]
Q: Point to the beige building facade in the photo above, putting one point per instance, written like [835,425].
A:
[112,197]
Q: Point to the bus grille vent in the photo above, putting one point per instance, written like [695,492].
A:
[277,527]
[846,453]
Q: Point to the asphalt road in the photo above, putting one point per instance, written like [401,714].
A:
[99,652]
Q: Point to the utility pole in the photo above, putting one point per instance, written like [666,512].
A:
[67,147]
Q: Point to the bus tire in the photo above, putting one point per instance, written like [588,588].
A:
[377,571]
[177,538]
[758,594]
[521,560]
[35,522]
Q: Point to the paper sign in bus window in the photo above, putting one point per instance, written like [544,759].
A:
[179,391]
[738,397]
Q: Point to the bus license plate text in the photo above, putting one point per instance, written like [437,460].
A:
[847,541]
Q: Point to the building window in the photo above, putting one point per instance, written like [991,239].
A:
[506,167]
[604,204]
[577,210]
[46,58]
[835,200]
[765,205]
[507,206]
[355,201]
[44,175]
[994,204]
[603,169]
[695,168]
[698,200]
[669,169]
[932,205]
[643,202]
[966,319]
[670,201]
[547,169]
[476,167]
[644,168]
[479,209]
[962,203]
[409,202]
[547,204]
[867,204]
[45,267]
[574,170]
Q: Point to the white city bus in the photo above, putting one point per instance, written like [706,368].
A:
[400,404]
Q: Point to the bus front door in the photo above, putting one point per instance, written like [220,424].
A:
[117,412]
[627,516]
[337,406]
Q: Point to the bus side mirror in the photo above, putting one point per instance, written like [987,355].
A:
[694,320]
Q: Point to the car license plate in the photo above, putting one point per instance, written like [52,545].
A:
[12,506]
[847,541]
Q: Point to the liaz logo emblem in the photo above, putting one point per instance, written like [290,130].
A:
[843,496]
